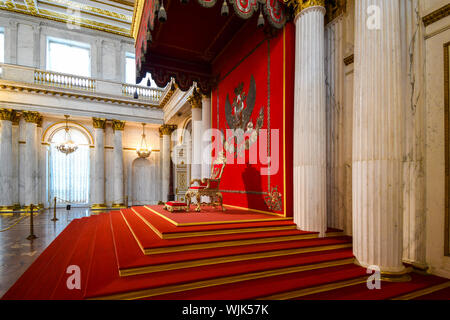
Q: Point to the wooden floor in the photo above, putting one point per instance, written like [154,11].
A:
[17,253]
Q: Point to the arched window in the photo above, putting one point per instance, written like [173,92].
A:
[69,174]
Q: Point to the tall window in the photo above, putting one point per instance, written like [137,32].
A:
[130,72]
[2,45]
[67,56]
[69,174]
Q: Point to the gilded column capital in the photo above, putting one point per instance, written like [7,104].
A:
[167,129]
[99,123]
[31,116]
[7,114]
[195,99]
[39,121]
[300,5]
[118,125]
[16,119]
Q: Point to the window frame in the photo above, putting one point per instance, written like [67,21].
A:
[68,42]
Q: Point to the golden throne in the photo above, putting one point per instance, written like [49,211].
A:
[207,187]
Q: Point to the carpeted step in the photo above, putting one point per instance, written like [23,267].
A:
[171,230]
[438,294]
[389,290]
[33,275]
[105,282]
[150,243]
[131,261]
[57,269]
[276,284]
[81,257]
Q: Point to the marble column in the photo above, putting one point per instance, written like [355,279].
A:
[160,171]
[118,201]
[166,132]
[98,185]
[6,160]
[40,163]
[196,165]
[15,152]
[32,119]
[206,140]
[334,65]
[310,206]
[414,214]
[377,138]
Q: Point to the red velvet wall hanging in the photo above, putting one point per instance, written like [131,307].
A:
[257,79]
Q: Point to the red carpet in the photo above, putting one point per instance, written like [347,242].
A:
[238,264]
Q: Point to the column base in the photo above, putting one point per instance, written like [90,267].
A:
[6,210]
[118,206]
[27,209]
[98,206]
[389,276]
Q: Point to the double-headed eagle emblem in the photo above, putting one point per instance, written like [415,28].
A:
[238,116]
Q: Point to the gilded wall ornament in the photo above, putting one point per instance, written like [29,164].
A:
[274,199]
[238,116]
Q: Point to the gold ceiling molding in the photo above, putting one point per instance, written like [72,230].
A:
[436,15]
[61,17]
[137,15]
[90,9]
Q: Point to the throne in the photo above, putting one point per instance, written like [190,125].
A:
[207,187]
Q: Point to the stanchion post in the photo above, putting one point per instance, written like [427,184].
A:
[54,210]
[31,236]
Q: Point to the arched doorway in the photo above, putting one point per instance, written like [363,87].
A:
[69,175]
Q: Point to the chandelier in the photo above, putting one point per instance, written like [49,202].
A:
[143,151]
[68,146]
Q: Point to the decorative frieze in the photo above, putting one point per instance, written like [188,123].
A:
[436,15]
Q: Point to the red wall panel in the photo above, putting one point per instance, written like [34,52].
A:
[271,63]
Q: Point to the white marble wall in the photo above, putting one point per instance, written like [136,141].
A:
[26,38]
[436,35]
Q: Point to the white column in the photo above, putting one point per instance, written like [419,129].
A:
[40,166]
[30,157]
[118,127]
[166,131]
[377,138]
[310,207]
[6,160]
[15,152]
[161,193]
[196,165]
[98,195]
[334,73]
[206,140]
